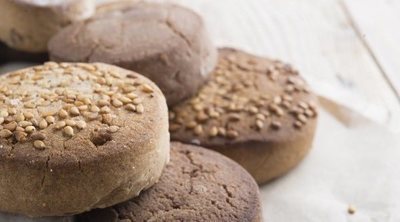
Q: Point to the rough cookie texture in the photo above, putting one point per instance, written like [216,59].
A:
[77,136]
[197,185]
[27,25]
[256,111]
[167,43]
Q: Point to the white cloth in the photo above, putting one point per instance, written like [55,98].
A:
[358,166]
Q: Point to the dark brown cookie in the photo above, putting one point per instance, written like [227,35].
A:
[256,111]
[78,136]
[197,185]
[167,43]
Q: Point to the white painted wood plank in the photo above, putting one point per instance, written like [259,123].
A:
[378,21]
[316,36]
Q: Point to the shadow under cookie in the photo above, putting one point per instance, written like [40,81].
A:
[8,54]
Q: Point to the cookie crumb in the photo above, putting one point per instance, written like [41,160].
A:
[351,209]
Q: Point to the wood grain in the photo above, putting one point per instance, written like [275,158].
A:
[317,37]
[378,23]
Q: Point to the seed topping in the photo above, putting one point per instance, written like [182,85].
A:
[32,105]
[68,130]
[38,144]
[245,94]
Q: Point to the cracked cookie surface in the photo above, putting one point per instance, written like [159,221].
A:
[165,42]
[197,185]
[77,136]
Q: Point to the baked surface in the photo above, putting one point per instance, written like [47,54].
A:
[197,185]
[167,43]
[74,137]
[27,25]
[256,111]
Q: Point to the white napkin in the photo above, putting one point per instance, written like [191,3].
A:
[357,167]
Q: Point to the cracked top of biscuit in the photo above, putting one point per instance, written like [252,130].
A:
[197,185]
[133,32]
[46,106]
[167,43]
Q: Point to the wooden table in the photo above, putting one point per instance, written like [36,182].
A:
[349,50]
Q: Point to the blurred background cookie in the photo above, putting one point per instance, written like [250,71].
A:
[167,43]
[27,25]
[254,110]
[78,136]
[197,185]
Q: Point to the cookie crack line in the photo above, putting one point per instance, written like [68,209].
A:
[179,34]
[229,196]
[80,166]
[170,25]
[45,172]
[93,48]
[187,155]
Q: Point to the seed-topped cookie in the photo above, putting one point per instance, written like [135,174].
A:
[257,111]
[76,136]
[167,43]
[197,185]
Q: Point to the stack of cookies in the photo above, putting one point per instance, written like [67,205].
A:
[86,137]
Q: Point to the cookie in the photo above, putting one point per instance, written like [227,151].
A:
[254,110]
[197,185]
[27,25]
[167,43]
[11,55]
[77,136]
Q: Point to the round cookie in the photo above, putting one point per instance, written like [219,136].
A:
[257,111]
[167,43]
[77,136]
[27,25]
[197,185]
